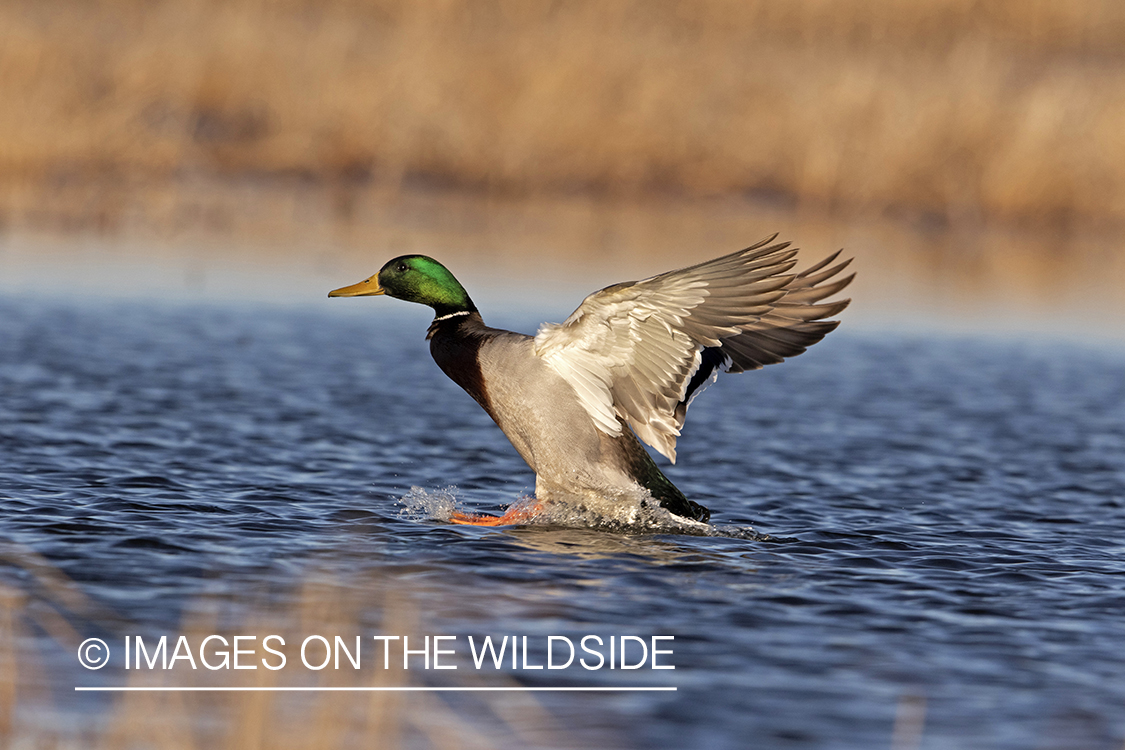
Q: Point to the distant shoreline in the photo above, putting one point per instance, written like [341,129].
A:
[296,239]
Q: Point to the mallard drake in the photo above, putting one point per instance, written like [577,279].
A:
[575,398]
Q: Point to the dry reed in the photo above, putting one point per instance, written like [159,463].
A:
[39,635]
[946,108]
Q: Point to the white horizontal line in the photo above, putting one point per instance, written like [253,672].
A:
[375,689]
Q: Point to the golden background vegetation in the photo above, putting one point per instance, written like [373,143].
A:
[1012,108]
[994,131]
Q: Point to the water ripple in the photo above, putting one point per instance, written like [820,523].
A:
[891,516]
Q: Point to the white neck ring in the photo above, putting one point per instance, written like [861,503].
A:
[452,315]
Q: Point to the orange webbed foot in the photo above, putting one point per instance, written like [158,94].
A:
[517,513]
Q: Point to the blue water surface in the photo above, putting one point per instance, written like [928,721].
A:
[944,567]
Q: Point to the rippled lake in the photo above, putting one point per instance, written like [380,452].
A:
[944,519]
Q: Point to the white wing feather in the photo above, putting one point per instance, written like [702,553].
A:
[631,350]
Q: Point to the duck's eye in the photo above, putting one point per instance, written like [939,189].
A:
[401,266]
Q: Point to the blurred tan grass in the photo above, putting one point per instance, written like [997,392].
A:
[37,622]
[952,109]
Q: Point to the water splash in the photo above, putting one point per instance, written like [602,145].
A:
[420,504]
[622,513]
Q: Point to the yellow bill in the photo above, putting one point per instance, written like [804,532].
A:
[365,288]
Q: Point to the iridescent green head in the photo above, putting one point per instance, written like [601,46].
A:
[414,278]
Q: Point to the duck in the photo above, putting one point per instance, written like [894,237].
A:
[577,399]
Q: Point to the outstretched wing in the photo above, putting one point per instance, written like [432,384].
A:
[641,350]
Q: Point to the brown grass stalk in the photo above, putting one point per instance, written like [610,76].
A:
[1008,109]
